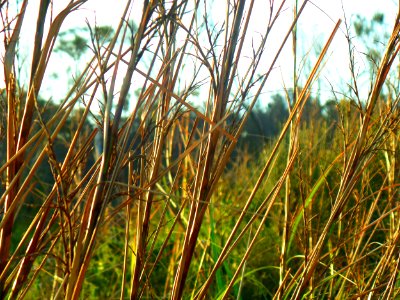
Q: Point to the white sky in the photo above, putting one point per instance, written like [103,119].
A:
[315,26]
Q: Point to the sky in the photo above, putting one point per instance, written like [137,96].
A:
[314,27]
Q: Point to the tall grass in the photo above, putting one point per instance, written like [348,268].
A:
[163,206]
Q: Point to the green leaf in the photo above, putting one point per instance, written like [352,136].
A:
[310,197]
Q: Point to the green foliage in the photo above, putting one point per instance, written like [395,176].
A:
[75,42]
[74,47]
[373,34]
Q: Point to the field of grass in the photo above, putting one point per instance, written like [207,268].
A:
[157,175]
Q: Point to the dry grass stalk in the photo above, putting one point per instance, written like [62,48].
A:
[163,163]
